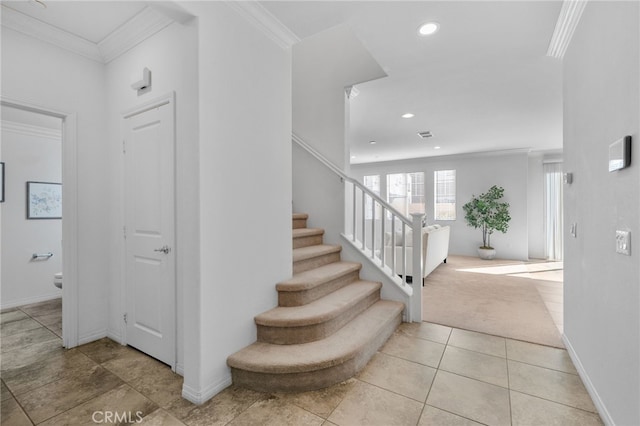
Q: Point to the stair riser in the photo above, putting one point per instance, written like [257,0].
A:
[311,240]
[315,262]
[299,223]
[310,333]
[307,381]
[299,298]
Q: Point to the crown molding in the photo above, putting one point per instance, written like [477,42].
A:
[264,20]
[31,130]
[568,19]
[27,25]
[136,30]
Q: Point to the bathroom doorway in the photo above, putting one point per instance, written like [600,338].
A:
[38,150]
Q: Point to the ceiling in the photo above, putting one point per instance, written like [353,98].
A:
[90,20]
[482,83]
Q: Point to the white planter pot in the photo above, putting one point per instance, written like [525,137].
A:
[486,254]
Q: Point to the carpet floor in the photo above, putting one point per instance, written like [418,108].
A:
[498,297]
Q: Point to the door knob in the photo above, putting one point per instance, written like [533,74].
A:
[163,249]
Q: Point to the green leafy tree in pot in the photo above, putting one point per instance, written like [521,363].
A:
[486,211]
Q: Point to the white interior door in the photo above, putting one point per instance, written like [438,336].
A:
[149,232]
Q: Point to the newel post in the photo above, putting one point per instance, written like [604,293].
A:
[416,274]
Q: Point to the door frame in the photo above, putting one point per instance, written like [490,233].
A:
[166,99]
[70,297]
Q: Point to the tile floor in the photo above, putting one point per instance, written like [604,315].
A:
[426,374]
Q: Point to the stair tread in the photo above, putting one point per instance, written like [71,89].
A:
[304,253]
[300,216]
[307,232]
[321,310]
[333,350]
[314,277]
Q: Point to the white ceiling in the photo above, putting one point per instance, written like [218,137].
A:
[90,20]
[482,83]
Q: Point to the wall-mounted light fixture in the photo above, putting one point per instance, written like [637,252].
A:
[145,82]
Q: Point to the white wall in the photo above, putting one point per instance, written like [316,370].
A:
[29,156]
[245,192]
[601,288]
[323,65]
[475,174]
[42,74]
[171,55]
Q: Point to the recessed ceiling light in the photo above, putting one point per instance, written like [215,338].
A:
[353,156]
[372,142]
[428,28]
[408,115]
[436,147]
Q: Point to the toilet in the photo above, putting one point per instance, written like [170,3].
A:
[57,280]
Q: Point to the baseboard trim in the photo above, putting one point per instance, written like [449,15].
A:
[200,397]
[180,369]
[588,384]
[92,337]
[30,300]
[115,336]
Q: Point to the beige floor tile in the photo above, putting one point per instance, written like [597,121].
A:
[104,350]
[552,297]
[18,326]
[12,414]
[47,307]
[276,412]
[565,388]
[10,316]
[320,402]
[475,365]
[414,349]
[478,342]
[219,410]
[4,391]
[542,356]
[132,364]
[528,410]
[27,338]
[49,319]
[426,330]
[554,307]
[160,417]
[432,416]
[368,405]
[122,401]
[57,397]
[470,398]
[35,353]
[160,384]
[397,375]
[64,364]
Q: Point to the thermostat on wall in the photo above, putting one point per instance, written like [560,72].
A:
[620,154]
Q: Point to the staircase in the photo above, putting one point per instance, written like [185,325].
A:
[327,325]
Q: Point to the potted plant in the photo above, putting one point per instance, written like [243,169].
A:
[486,211]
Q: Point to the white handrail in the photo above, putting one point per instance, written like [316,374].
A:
[342,175]
[374,252]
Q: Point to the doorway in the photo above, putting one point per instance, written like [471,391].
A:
[68,179]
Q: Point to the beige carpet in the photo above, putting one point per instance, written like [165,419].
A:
[497,297]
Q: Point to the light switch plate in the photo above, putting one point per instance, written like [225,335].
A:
[623,242]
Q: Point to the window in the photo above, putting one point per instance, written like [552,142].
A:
[373,183]
[444,194]
[405,192]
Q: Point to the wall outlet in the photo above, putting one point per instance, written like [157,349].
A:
[623,242]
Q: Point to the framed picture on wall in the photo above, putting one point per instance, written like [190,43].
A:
[1,182]
[44,200]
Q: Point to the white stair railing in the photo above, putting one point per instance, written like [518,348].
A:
[380,232]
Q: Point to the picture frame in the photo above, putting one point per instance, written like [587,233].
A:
[44,200]
[1,182]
